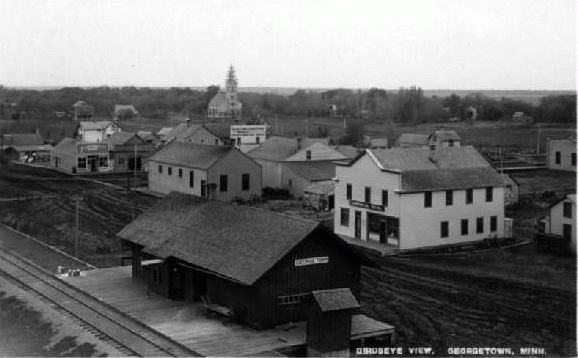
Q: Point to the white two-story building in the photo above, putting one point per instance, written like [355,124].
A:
[418,197]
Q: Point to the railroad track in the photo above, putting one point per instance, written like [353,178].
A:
[123,332]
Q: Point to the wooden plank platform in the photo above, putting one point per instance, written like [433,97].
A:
[185,322]
[381,249]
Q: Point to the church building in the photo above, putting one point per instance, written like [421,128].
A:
[225,104]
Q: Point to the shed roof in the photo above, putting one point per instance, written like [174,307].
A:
[413,139]
[192,155]
[314,170]
[235,241]
[335,300]
[277,148]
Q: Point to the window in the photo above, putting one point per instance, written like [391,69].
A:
[568,210]
[489,194]
[245,182]
[292,299]
[82,163]
[493,223]
[464,224]
[367,194]
[469,196]
[573,159]
[223,181]
[120,161]
[160,169]
[344,217]
[170,171]
[257,140]
[384,198]
[191,179]
[216,142]
[444,229]
[349,191]
[308,154]
[449,197]
[451,142]
[180,172]
[427,199]
[102,161]
[558,157]
[479,225]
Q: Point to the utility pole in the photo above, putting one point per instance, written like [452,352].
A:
[134,167]
[538,143]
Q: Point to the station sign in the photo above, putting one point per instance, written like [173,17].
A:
[311,261]
[362,204]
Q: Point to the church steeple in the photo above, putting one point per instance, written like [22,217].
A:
[231,84]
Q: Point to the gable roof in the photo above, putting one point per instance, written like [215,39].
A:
[165,131]
[449,179]
[445,135]
[319,151]
[120,138]
[222,131]
[235,241]
[218,99]
[183,130]
[192,155]
[413,139]
[277,148]
[313,171]
[404,159]
[66,145]
[335,300]
[15,140]
[98,125]
[569,197]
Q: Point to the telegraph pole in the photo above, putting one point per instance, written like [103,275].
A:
[134,171]
[77,199]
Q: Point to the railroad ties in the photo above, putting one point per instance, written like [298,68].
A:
[123,332]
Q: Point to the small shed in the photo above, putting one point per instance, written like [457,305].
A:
[320,195]
[329,322]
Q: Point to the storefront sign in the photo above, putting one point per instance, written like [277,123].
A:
[362,204]
[92,147]
[312,261]
[257,130]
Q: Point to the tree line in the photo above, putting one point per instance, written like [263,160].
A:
[405,106]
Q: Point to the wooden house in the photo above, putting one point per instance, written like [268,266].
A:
[258,264]
[128,151]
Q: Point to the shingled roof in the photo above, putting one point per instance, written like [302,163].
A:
[318,151]
[235,241]
[219,98]
[192,155]
[335,300]
[445,135]
[413,139]
[313,171]
[120,138]
[16,140]
[279,148]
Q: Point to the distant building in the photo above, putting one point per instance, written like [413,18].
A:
[164,133]
[225,104]
[210,133]
[149,137]
[375,143]
[410,140]
[124,148]
[418,197]
[96,131]
[561,220]
[444,138]
[210,171]
[521,118]
[82,111]
[25,147]
[122,111]
[561,154]
[74,156]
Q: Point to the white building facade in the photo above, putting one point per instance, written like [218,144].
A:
[412,207]
[561,154]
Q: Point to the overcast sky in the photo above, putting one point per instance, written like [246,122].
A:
[465,44]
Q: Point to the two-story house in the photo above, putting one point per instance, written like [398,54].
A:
[211,171]
[94,132]
[419,197]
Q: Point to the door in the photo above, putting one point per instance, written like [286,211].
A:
[568,232]
[382,232]
[92,161]
[203,188]
[357,224]
[176,283]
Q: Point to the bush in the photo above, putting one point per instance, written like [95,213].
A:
[276,193]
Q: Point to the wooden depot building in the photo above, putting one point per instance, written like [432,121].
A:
[261,266]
